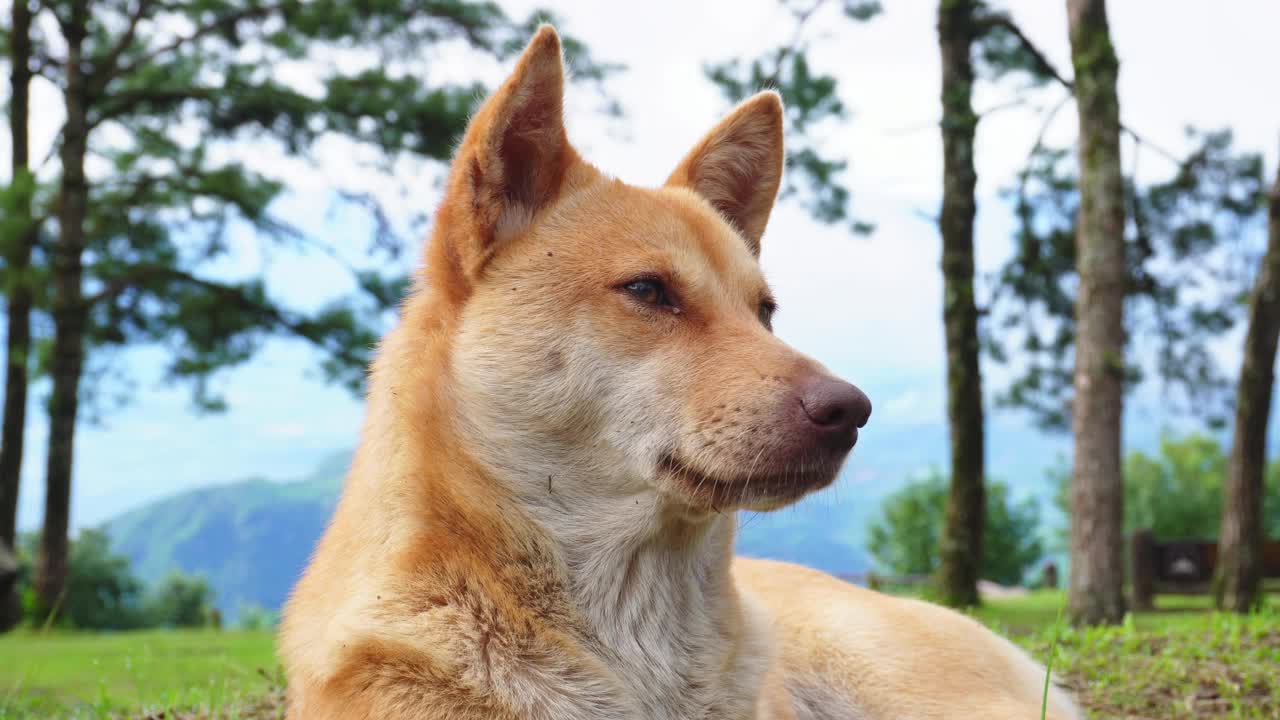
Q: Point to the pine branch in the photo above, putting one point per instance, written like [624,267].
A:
[215,25]
[1047,69]
[802,18]
[1037,147]
[268,314]
[1042,64]
[120,103]
[46,66]
[104,72]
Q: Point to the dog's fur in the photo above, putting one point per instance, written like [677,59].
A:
[538,522]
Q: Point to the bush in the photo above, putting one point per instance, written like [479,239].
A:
[1177,492]
[256,617]
[905,539]
[180,601]
[102,592]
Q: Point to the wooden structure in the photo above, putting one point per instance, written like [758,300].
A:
[1181,567]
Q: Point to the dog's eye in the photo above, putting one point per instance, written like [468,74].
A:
[767,309]
[649,291]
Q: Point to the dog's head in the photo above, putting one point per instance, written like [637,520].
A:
[610,341]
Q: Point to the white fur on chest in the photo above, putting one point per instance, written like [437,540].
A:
[665,619]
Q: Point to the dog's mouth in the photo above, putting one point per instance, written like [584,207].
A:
[764,491]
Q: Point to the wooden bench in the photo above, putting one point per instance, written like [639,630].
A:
[1181,567]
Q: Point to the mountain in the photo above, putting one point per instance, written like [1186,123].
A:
[251,539]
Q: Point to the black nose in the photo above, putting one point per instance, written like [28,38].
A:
[834,407]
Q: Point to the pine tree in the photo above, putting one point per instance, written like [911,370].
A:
[1096,590]
[1238,583]
[961,553]
[18,233]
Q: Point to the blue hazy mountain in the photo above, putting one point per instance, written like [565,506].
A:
[252,538]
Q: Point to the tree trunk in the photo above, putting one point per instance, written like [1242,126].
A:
[18,261]
[961,549]
[1096,593]
[69,321]
[1238,583]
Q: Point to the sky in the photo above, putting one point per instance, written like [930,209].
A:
[869,308]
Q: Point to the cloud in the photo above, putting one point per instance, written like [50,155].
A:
[291,430]
[912,407]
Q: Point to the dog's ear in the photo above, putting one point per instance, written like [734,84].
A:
[512,161]
[737,166]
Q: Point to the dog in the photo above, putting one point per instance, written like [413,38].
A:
[582,388]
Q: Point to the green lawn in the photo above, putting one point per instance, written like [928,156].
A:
[1179,662]
[81,675]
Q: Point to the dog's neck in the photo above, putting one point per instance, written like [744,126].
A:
[630,558]
[653,584]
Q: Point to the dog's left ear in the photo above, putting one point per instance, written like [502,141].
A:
[512,161]
[737,166]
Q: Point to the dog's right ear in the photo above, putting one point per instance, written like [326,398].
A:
[512,161]
[737,166]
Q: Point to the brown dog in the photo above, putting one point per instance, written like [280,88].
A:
[582,387]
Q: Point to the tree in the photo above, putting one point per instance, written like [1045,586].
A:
[1178,491]
[1096,588]
[1177,495]
[972,37]
[10,607]
[255,617]
[68,309]
[1238,582]
[166,95]
[1176,245]
[905,538]
[1182,255]
[1012,545]
[180,601]
[18,238]
[811,100]
[1271,503]
[961,548]
[101,593]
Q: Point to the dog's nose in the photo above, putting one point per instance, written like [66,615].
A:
[834,408]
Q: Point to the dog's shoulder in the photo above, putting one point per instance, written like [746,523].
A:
[460,665]
[449,639]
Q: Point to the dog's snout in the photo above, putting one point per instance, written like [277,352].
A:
[834,407]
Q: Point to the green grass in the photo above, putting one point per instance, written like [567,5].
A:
[1039,610]
[82,675]
[1180,662]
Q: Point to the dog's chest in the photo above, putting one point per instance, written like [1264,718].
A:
[678,662]
[678,678]
[682,685]
[659,614]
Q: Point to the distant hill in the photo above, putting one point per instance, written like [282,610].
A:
[251,539]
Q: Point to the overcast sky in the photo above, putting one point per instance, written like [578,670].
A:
[868,307]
